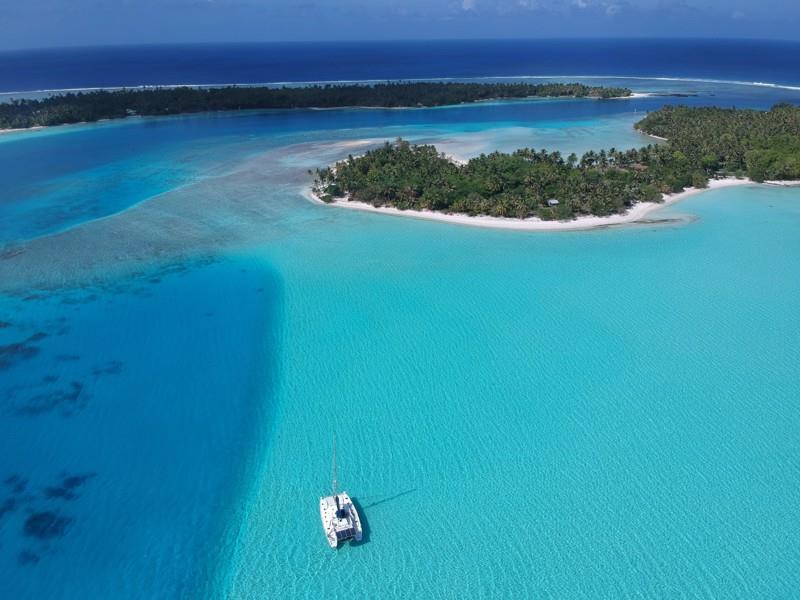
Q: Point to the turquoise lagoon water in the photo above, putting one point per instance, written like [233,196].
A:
[596,414]
[56,178]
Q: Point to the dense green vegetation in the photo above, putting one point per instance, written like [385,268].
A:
[702,143]
[765,145]
[93,106]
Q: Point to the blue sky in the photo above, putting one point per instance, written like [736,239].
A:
[45,23]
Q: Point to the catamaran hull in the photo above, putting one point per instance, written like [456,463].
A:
[340,523]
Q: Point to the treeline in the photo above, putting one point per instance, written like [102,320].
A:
[764,145]
[547,185]
[93,106]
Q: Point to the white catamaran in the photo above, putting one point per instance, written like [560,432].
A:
[339,516]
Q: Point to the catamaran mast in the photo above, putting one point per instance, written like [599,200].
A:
[333,483]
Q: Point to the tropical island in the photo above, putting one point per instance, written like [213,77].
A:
[699,144]
[85,107]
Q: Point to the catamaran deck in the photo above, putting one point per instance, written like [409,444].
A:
[342,524]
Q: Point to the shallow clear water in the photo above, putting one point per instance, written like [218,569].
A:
[609,414]
[595,414]
[49,186]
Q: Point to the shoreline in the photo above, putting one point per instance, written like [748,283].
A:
[34,128]
[636,214]
[656,137]
[478,78]
[483,102]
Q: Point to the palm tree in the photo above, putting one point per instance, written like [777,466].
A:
[572,159]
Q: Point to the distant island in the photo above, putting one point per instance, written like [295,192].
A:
[103,104]
[700,144]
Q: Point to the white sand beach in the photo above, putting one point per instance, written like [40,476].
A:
[34,128]
[633,96]
[785,183]
[637,213]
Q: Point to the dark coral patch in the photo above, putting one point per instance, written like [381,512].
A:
[12,479]
[79,299]
[16,484]
[68,357]
[11,252]
[67,490]
[68,400]
[33,297]
[26,557]
[75,481]
[112,368]
[14,352]
[8,505]
[59,493]
[46,525]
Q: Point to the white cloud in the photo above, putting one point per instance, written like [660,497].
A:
[468,4]
[610,8]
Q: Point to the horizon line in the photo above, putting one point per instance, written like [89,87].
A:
[399,41]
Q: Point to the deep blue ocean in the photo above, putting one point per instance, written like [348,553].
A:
[741,60]
[601,414]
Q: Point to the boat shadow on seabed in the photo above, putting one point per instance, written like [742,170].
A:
[361,508]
